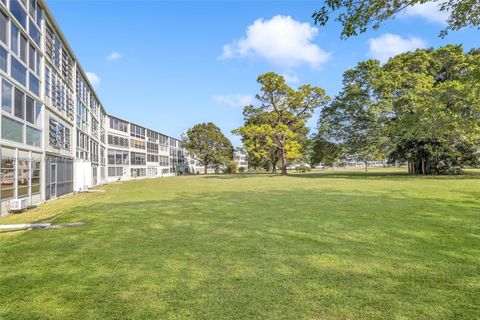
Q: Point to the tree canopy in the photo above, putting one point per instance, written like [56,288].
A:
[276,130]
[421,107]
[209,145]
[357,16]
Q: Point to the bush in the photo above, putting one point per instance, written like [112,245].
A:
[241,169]
[231,167]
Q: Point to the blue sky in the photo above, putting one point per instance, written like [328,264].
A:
[168,65]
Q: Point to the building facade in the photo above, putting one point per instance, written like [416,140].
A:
[240,158]
[55,135]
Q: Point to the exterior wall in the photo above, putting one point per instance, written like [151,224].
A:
[240,158]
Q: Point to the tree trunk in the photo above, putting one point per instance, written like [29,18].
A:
[284,161]
[366,166]
[206,168]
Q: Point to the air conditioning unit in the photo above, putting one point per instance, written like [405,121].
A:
[18,204]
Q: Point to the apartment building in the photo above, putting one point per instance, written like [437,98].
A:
[55,135]
[240,158]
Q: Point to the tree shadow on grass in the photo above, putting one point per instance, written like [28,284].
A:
[273,254]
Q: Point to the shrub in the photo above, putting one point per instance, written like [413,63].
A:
[303,169]
[231,167]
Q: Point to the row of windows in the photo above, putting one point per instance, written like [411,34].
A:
[137,131]
[152,147]
[138,144]
[61,59]
[138,172]
[118,124]
[117,141]
[115,171]
[61,96]
[163,161]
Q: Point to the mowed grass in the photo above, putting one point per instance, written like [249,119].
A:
[325,245]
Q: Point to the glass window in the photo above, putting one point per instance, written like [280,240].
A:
[35,176]
[3,28]
[33,137]
[30,110]
[34,32]
[18,12]
[32,58]
[6,96]
[39,15]
[23,177]
[3,59]
[23,48]
[7,178]
[18,104]
[18,71]
[12,130]
[38,113]
[14,38]
[34,84]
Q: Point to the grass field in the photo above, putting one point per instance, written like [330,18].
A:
[325,245]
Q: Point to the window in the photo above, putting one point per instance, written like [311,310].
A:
[119,125]
[30,110]
[153,147]
[7,178]
[137,144]
[23,48]
[33,137]
[6,96]
[18,104]
[59,134]
[23,174]
[35,183]
[18,12]
[152,158]
[34,84]
[34,32]
[137,131]
[117,156]
[138,172]
[3,59]
[117,141]
[38,113]
[81,115]
[14,38]
[18,71]
[12,130]
[137,159]
[48,81]
[32,58]
[163,161]
[115,171]
[3,28]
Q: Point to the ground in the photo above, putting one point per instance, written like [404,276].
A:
[324,245]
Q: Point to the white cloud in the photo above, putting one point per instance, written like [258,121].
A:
[94,78]
[282,41]
[290,78]
[429,11]
[233,100]
[389,45]
[114,56]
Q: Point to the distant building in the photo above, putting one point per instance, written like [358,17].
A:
[240,158]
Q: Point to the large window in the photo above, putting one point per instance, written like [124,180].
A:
[18,71]
[59,134]
[163,161]
[115,171]
[137,131]
[151,146]
[3,28]
[138,172]
[137,159]
[33,137]
[18,12]
[117,141]
[3,59]
[35,183]
[118,124]
[23,174]
[7,89]
[18,104]
[81,116]
[152,158]
[12,130]
[7,179]
[117,156]
[137,144]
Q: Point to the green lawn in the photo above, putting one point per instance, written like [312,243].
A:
[325,245]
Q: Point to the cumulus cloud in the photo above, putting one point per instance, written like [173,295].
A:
[389,45]
[94,78]
[281,40]
[233,100]
[429,11]
[114,56]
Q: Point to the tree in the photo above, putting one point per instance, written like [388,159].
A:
[209,145]
[278,124]
[324,152]
[357,16]
[421,107]
[352,119]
